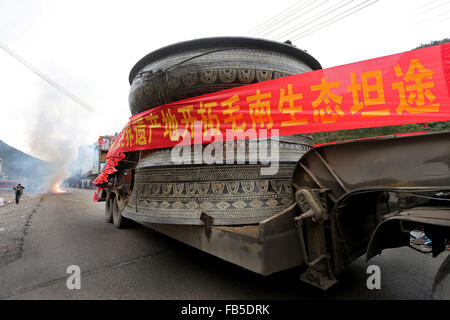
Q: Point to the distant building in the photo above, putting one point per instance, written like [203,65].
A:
[91,160]
[84,158]
[101,148]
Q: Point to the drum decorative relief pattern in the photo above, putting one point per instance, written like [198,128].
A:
[232,194]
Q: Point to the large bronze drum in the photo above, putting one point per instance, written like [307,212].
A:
[167,192]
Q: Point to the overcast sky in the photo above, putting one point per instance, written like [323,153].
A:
[90,46]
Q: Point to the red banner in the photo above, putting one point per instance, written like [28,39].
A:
[410,87]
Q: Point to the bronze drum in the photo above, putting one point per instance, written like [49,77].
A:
[167,192]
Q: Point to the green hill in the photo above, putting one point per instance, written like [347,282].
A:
[17,164]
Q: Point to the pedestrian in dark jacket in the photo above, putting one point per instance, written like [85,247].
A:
[19,192]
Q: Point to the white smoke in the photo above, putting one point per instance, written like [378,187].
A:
[60,126]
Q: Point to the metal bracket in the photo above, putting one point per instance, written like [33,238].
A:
[311,205]
[319,272]
[317,278]
[209,221]
[137,200]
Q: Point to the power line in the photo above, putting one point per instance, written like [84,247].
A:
[314,29]
[333,17]
[268,25]
[299,11]
[434,22]
[305,23]
[285,22]
[425,5]
[275,17]
[255,29]
[63,90]
[422,12]
[430,18]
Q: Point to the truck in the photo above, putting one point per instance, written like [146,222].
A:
[327,206]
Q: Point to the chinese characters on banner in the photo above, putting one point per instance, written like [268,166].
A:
[411,87]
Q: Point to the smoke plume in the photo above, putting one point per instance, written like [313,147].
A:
[59,128]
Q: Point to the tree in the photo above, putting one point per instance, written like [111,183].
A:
[433,43]
[444,125]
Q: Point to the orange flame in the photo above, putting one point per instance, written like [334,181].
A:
[57,189]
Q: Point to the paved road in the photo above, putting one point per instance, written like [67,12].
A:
[138,263]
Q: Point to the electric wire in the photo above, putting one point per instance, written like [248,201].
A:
[435,22]
[296,16]
[53,83]
[316,17]
[431,18]
[286,22]
[276,17]
[424,5]
[430,9]
[273,24]
[316,28]
[325,23]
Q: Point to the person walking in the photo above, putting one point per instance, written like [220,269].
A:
[19,192]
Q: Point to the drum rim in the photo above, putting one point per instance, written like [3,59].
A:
[225,42]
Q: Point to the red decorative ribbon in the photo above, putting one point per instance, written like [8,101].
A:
[410,87]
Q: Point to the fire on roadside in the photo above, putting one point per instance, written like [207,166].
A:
[56,188]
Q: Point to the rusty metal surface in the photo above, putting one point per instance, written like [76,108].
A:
[265,248]
[357,178]
[250,231]
[409,161]
[430,215]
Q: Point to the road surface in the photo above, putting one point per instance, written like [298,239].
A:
[42,237]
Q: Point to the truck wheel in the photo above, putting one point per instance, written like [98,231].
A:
[441,284]
[108,210]
[119,221]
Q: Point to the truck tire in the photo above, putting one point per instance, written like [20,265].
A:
[441,283]
[120,222]
[192,68]
[108,210]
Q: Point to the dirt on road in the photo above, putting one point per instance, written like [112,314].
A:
[14,222]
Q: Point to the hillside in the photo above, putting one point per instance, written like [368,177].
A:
[17,164]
